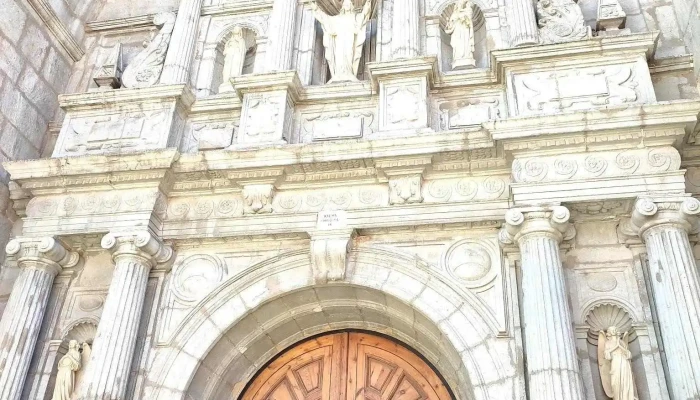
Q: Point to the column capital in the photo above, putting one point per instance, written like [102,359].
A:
[679,212]
[536,221]
[140,244]
[46,253]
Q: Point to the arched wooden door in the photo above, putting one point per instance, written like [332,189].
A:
[347,366]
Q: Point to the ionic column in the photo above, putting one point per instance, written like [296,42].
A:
[405,30]
[181,49]
[39,260]
[281,37]
[550,348]
[664,227]
[108,370]
[523,23]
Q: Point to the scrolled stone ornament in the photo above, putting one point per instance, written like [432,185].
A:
[145,69]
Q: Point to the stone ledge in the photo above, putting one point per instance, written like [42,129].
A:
[97,100]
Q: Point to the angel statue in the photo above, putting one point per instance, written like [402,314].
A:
[343,37]
[65,378]
[614,363]
[461,29]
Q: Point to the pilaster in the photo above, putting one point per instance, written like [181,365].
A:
[181,49]
[664,224]
[552,364]
[281,36]
[523,23]
[134,255]
[39,260]
[405,30]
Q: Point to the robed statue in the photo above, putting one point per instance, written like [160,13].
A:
[343,38]
[234,57]
[67,367]
[461,30]
[614,363]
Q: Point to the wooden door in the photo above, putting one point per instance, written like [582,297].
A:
[347,366]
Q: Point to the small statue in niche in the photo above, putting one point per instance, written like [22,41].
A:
[145,69]
[614,364]
[461,30]
[68,365]
[234,57]
[343,38]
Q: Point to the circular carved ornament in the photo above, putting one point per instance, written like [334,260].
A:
[470,262]
[196,276]
[601,282]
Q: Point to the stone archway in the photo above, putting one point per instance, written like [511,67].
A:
[227,338]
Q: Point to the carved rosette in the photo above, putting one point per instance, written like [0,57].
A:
[40,260]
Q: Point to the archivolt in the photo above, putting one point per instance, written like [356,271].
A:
[257,314]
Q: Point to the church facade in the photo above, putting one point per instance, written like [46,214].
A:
[357,199]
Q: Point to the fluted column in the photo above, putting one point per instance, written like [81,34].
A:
[281,36]
[181,49]
[108,370]
[664,228]
[39,260]
[405,29]
[522,23]
[552,364]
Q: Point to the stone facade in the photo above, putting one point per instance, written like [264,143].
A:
[495,184]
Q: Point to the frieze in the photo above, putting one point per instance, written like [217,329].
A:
[91,204]
[337,125]
[600,164]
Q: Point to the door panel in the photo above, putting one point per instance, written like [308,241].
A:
[347,366]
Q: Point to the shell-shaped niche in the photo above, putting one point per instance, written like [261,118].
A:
[82,331]
[605,315]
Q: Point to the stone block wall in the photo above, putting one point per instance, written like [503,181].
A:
[33,71]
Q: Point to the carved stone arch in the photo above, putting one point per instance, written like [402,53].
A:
[601,314]
[438,7]
[465,350]
[82,330]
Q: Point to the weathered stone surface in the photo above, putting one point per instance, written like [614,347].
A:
[297,205]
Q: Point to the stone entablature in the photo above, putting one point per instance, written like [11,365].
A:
[406,97]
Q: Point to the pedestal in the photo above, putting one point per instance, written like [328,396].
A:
[268,104]
[403,93]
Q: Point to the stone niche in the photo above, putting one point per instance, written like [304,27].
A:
[122,121]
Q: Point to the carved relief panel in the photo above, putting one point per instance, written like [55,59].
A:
[579,89]
[266,118]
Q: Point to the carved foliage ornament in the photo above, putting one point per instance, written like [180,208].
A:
[560,21]
[145,69]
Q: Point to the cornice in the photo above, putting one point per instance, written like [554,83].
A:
[141,22]
[671,64]
[57,29]
[98,100]
[238,7]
